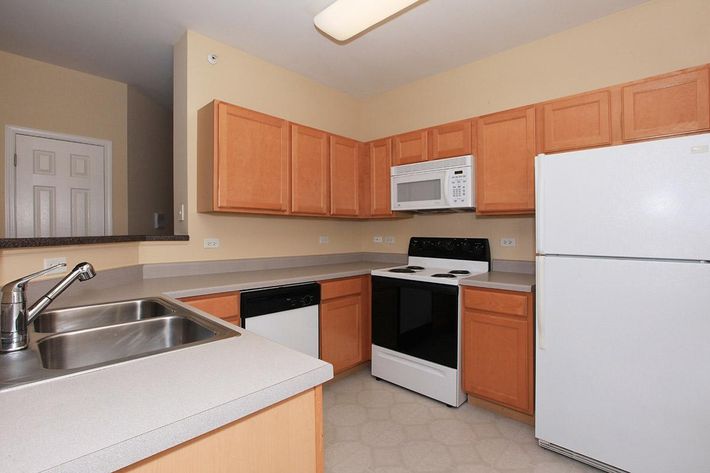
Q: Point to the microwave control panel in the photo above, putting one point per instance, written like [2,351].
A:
[459,183]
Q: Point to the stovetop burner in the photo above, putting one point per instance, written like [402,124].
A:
[416,268]
[443,275]
[459,271]
[401,270]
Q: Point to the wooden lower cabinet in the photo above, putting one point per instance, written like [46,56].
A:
[287,436]
[498,347]
[345,322]
[224,305]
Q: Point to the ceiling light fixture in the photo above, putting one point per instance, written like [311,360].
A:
[345,18]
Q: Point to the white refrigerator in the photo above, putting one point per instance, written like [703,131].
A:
[623,305]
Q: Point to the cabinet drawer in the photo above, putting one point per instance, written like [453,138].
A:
[340,287]
[224,306]
[503,302]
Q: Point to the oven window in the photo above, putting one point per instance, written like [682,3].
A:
[419,190]
[416,319]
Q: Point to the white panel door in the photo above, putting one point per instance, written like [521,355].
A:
[59,188]
[622,361]
[648,200]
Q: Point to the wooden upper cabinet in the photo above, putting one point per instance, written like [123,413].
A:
[505,162]
[243,160]
[380,164]
[344,177]
[410,147]
[582,121]
[309,171]
[452,139]
[671,104]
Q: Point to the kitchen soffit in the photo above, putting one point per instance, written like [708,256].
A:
[132,40]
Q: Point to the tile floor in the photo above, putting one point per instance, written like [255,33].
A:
[376,427]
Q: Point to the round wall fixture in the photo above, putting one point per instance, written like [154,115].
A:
[212,58]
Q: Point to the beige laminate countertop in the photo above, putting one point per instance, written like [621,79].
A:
[502,280]
[110,417]
[104,419]
[185,286]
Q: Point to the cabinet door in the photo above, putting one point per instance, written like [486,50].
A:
[309,171]
[341,328]
[344,177]
[577,122]
[452,139]
[505,162]
[668,105]
[411,147]
[252,161]
[496,360]
[223,305]
[380,164]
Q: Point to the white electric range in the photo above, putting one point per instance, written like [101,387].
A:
[416,316]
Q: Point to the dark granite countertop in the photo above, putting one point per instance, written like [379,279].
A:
[85,240]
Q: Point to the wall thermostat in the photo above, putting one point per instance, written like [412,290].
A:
[212,58]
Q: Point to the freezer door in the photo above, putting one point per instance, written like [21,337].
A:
[622,361]
[647,200]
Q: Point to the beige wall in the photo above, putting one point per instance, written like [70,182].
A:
[150,164]
[38,95]
[655,37]
[253,83]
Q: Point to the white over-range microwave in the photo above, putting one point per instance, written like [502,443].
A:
[441,185]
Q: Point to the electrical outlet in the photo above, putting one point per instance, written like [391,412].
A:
[181,213]
[211,243]
[52,261]
[323,239]
[507,242]
[377,239]
[389,240]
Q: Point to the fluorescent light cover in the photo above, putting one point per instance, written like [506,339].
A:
[345,18]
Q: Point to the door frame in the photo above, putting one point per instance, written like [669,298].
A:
[11,132]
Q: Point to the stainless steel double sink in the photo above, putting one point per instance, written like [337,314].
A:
[75,339]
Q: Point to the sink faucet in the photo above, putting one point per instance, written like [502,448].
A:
[15,317]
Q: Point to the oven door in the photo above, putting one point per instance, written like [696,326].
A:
[416,318]
[417,191]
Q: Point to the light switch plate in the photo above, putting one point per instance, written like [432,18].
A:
[323,239]
[377,239]
[389,240]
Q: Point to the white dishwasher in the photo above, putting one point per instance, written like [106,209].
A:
[285,314]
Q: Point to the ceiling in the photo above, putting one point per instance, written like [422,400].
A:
[131,40]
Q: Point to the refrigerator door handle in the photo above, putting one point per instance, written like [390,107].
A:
[539,207]
[539,299]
